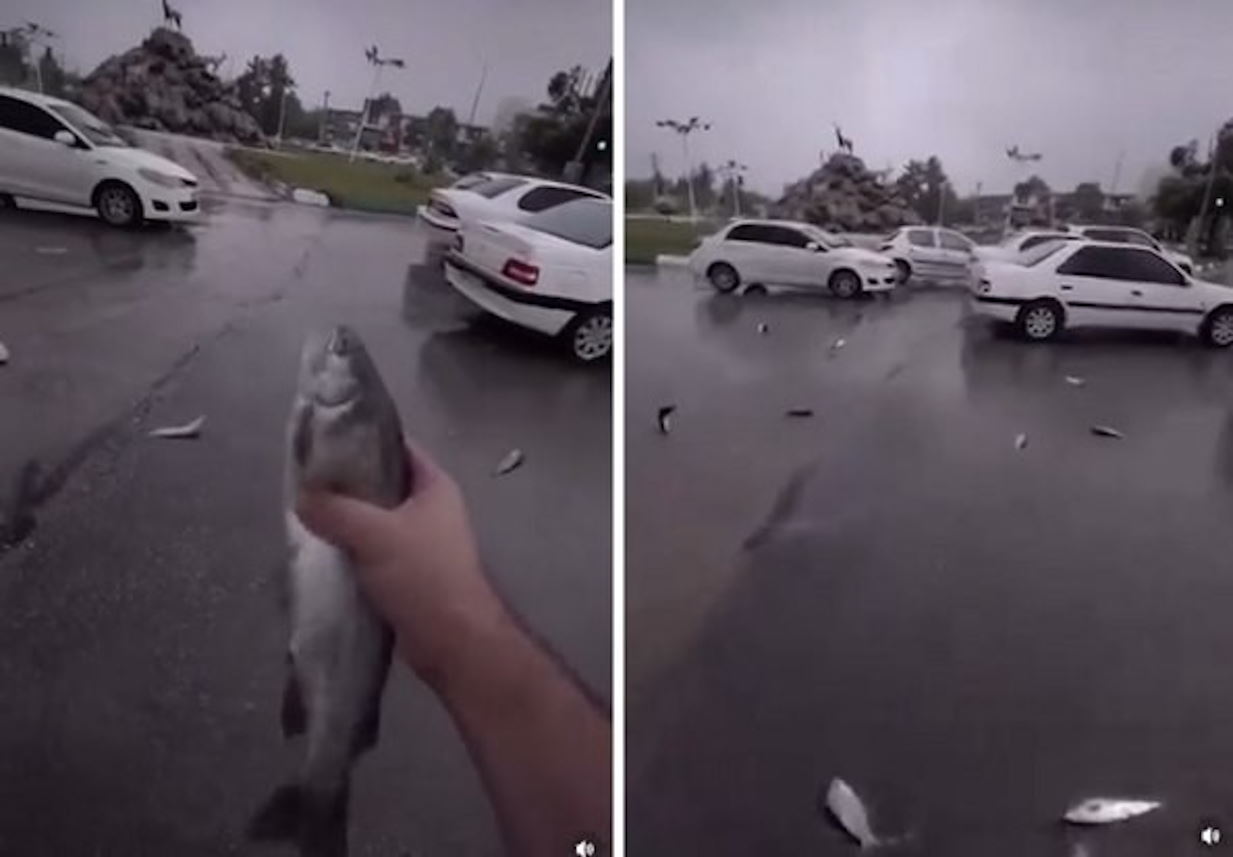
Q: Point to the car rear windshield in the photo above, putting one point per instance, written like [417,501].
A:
[1041,252]
[583,221]
[94,129]
[495,187]
[471,182]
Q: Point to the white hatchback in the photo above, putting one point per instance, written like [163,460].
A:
[930,253]
[787,253]
[1101,284]
[551,273]
[495,197]
[54,151]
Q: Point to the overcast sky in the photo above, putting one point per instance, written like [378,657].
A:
[445,42]
[1077,80]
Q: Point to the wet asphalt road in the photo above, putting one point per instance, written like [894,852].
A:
[141,645]
[971,635]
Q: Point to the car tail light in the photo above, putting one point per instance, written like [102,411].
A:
[521,272]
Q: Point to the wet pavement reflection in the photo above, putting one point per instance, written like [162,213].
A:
[973,635]
[141,616]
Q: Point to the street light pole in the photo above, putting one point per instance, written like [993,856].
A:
[325,112]
[685,129]
[1207,193]
[282,117]
[377,63]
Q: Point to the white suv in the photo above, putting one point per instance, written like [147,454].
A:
[54,151]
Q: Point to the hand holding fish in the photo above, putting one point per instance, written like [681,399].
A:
[418,563]
[542,745]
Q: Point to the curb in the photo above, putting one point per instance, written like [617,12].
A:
[667,261]
[304,196]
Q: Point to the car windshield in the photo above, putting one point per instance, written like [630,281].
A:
[90,126]
[581,221]
[828,239]
[1040,252]
[495,187]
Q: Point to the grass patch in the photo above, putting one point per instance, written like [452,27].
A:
[647,238]
[362,185]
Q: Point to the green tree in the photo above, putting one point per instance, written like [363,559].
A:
[639,194]
[442,132]
[551,137]
[261,89]
[52,74]
[1088,201]
[480,154]
[14,51]
[927,191]
[384,104]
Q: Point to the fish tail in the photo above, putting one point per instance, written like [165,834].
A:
[315,820]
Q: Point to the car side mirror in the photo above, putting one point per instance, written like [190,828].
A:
[815,247]
[66,138]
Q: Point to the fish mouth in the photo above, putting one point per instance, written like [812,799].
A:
[331,381]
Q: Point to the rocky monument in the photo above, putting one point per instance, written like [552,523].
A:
[843,195]
[163,85]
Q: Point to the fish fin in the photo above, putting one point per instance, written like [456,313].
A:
[294,717]
[317,823]
[370,727]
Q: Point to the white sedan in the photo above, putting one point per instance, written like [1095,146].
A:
[54,151]
[1130,235]
[497,197]
[1015,247]
[1102,284]
[551,273]
[786,253]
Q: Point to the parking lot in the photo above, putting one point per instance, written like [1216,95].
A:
[972,634]
[141,642]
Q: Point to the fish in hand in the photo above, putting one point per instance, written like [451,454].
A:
[344,436]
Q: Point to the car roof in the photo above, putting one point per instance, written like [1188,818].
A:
[33,97]
[535,181]
[792,224]
[1078,227]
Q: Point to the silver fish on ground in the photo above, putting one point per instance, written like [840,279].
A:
[1021,440]
[4,354]
[664,418]
[187,431]
[344,435]
[512,461]
[1106,810]
[1107,431]
[848,809]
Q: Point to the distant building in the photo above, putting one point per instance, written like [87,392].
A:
[508,110]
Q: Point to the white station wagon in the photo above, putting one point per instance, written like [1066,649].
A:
[1063,284]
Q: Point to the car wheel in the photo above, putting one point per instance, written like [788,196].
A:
[723,277]
[589,335]
[1039,321]
[755,289]
[118,204]
[845,284]
[7,201]
[1218,328]
[904,271]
